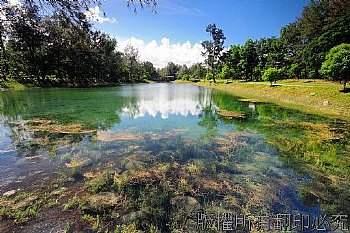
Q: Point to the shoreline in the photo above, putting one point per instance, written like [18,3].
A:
[321,98]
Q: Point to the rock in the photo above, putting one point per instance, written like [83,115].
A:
[230,114]
[133,165]
[79,162]
[69,180]
[101,202]
[23,204]
[166,156]
[184,210]
[9,193]
[133,216]
[45,178]
[58,192]
[112,171]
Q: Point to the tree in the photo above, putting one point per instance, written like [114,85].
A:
[53,43]
[337,64]
[233,61]
[183,70]
[150,70]
[214,47]
[249,58]
[197,70]
[131,56]
[172,69]
[73,9]
[225,72]
[322,25]
[271,75]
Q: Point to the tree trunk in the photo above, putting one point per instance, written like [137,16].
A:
[344,85]
[213,72]
[4,55]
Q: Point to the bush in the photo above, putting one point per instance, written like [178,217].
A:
[209,76]
[186,77]
[225,73]
[337,64]
[9,83]
[294,71]
[272,75]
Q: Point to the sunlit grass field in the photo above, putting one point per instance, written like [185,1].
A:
[310,96]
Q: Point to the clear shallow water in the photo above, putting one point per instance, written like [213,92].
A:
[143,126]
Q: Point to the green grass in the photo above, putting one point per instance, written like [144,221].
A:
[12,84]
[315,97]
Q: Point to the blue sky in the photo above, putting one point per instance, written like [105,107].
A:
[183,21]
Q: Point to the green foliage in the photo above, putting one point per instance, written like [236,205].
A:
[24,206]
[149,70]
[9,83]
[271,75]
[249,58]
[209,76]
[186,77]
[72,203]
[100,183]
[225,72]
[294,71]
[257,73]
[233,61]
[301,48]
[182,71]
[61,50]
[170,70]
[337,64]
[131,228]
[95,221]
[213,47]
[195,71]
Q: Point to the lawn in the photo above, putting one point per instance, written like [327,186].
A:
[311,96]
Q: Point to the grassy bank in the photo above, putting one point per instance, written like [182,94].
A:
[315,97]
[11,84]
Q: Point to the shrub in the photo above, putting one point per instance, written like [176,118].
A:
[271,75]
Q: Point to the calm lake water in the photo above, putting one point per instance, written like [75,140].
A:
[265,162]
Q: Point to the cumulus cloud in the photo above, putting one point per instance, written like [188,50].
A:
[165,51]
[14,2]
[162,102]
[95,14]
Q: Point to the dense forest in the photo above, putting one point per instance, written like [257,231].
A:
[61,48]
[53,43]
[299,52]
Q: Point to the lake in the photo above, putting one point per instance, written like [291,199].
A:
[151,145]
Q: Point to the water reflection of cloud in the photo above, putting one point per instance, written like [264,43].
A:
[182,101]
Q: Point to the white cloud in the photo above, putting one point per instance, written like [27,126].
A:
[162,102]
[11,3]
[95,14]
[164,52]
[14,2]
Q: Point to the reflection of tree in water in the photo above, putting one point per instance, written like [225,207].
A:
[209,120]
[307,143]
[93,108]
[56,117]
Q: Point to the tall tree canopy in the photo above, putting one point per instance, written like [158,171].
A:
[53,43]
[213,47]
[337,64]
